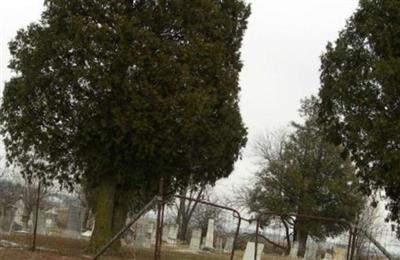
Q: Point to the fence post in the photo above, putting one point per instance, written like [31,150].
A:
[36,218]
[160,221]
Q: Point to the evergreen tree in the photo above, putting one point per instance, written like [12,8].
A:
[118,94]
[360,93]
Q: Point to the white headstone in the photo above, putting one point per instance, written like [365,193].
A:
[219,243]
[195,240]
[41,222]
[172,234]
[311,250]
[210,234]
[49,225]
[153,234]
[75,218]
[250,250]
[294,249]
[19,213]
[143,235]
[228,245]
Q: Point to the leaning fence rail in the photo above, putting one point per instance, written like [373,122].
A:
[376,243]
[143,211]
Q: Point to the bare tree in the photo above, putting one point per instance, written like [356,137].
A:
[204,212]
[185,208]
[29,197]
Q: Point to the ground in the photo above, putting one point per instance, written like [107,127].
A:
[57,248]
[70,249]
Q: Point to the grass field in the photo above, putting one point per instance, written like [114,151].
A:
[57,248]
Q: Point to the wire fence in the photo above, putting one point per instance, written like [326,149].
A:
[58,222]
[206,231]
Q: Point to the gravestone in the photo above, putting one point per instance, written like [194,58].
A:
[165,233]
[229,245]
[172,234]
[195,240]
[41,222]
[75,218]
[16,222]
[311,250]
[19,212]
[250,250]
[148,228]
[7,221]
[210,234]
[153,234]
[294,249]
[51,218]
[219,243]
[143,235]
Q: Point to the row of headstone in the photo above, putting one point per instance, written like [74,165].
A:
[310,254]
[47,220]
[146,235]
[312,251]
[208,240]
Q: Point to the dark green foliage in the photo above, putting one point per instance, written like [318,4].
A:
[133,89]
[360,93]
[303,174]
[117,94]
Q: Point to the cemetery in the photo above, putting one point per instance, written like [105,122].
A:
[62,230]
[200,129]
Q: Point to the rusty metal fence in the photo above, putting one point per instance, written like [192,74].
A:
[214,232]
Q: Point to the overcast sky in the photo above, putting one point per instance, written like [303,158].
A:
[280,54]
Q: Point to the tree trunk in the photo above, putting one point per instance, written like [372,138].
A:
[186,213]
[302,239]
[104,214]
[183,229]
[287,231]
[119,216]
[180,216]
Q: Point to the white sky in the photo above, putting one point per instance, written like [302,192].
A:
[280,53]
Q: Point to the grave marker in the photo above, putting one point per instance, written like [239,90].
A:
[210,234]
[195,240]
[229,245]
[250,250]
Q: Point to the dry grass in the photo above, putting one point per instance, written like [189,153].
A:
[57,248]
[51,247]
